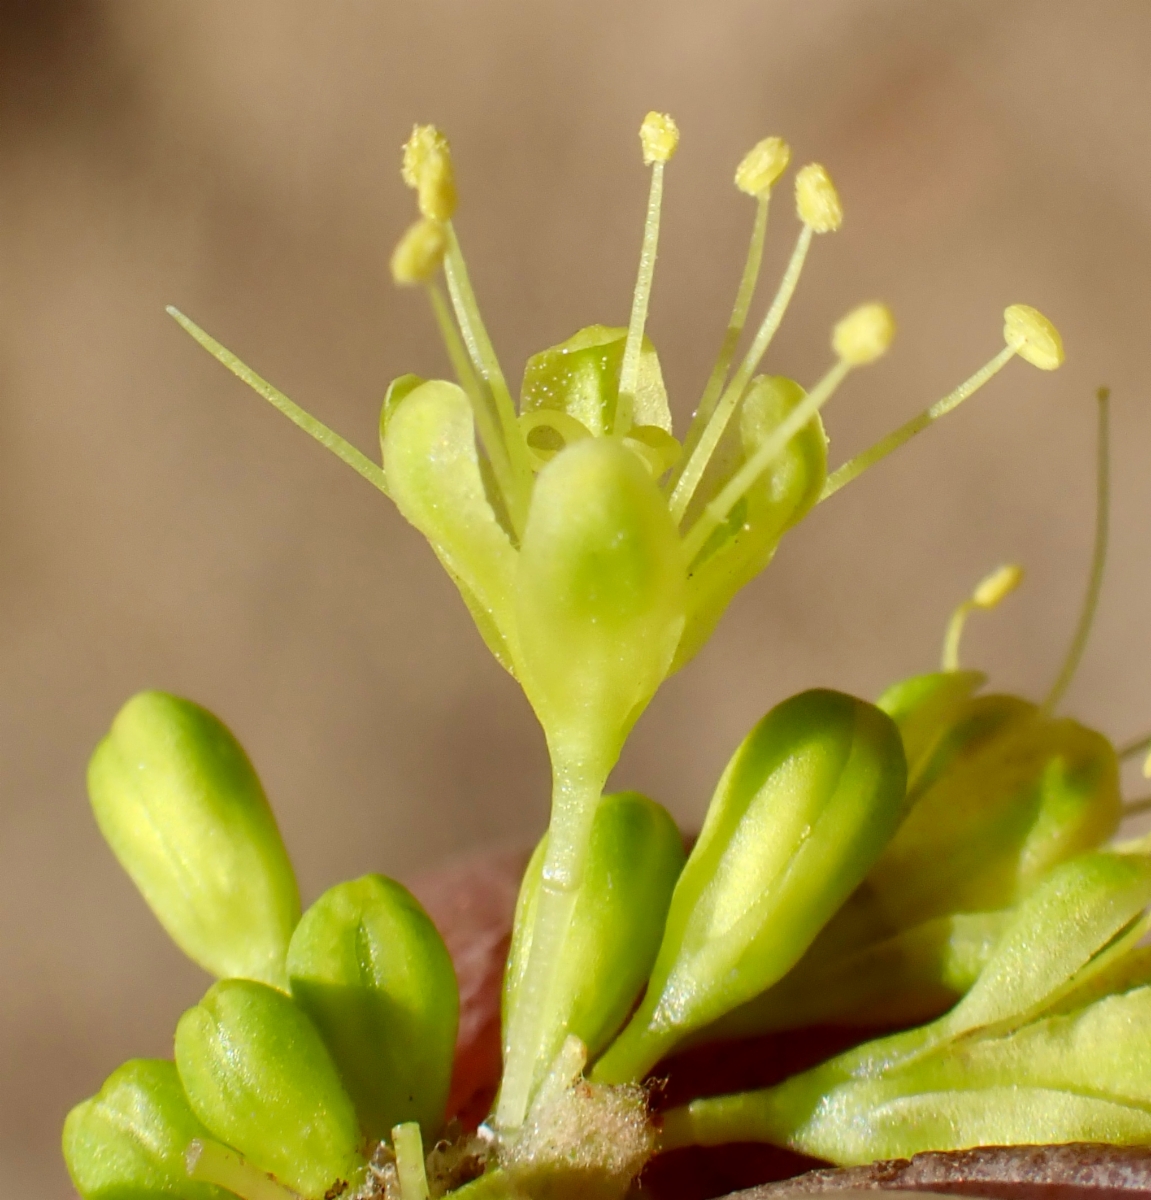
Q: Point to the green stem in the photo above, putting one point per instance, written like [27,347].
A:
[209,1162]
[1098,556]
[743,297]
[696,465]
[856,466]
[339,446]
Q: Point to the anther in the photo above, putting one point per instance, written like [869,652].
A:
[419,253]
[864,334]
[1032,336]
[427,167]
[988,594]
[816,199]
[762,166]
[659,137]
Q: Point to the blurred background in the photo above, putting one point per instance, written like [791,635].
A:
[160,526]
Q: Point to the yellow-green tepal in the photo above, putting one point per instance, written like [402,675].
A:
[182,809]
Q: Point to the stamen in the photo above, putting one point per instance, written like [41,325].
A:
[988,594]
[756,175]
[419,253]
[659,137]
[427,167]
[210,1162]
[1026,332]
[819,208]
[461,364]
[339,446]
[409,1148]
[858,339]
[1098,556]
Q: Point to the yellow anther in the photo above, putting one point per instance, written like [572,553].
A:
[1147,767]
[864,334]
[997,586]
[762,165]
[816,199]
[1032,336]
[659,136]
[427,167]
[420,251]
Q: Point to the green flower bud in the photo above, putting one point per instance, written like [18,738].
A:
[257,1074]
[1029,1055]
[128,1141]
[433,472]
[1010,795]
[580,377]
[745,543]
[179,803]
[800,814]
[634,858]
[599,598]
[370,969]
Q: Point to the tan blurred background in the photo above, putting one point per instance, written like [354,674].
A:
[160,526]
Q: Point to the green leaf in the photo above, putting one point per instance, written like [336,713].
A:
[740,548]
[370,969]
[635,856]
[128,1141]
[257,1074]
[182,809]
[802,811]
[581,378]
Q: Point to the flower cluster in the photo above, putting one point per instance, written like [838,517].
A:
[859,863]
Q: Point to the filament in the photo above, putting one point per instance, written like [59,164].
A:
[629,370]
[210,1162]
[1098,556]
[709,438]
[856,466]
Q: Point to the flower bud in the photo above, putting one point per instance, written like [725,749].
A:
[599,595]
[580,377]
[864,334]
[800,814]
[659,137]
[182,809]
[419,253]
[427,167]
[816,199]
[128,1141]
[762,166]
[256,1073]
[369,968]
[634,859]
[1032,336]
[783,494]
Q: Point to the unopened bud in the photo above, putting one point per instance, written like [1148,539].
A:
[762,165]
[864,334]
[427,167]
[816,199]
[419,253]
[1032,336]
[659,136]
[997,586]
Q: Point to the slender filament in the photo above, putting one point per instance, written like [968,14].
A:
[1098,555]
[210,1162]
[508,451]
[735,324]
[1132,807]
[461,363]
[716,511]
[856,466]
[629,370]
[950,658]
[708,440]
[339,446]
[1141,745]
